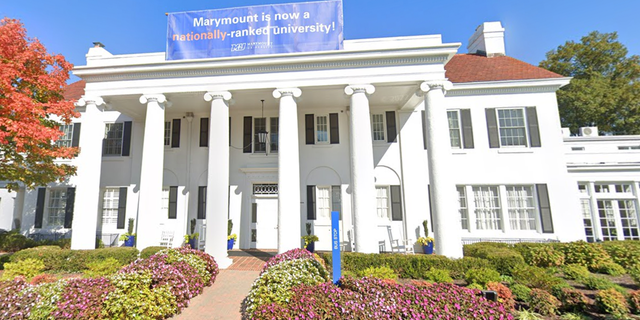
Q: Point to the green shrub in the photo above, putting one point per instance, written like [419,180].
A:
[102,268]
[438,276]
[503,258]
[64,260]
[590,255]
[4,258]
[134,298]
[597,283]
[27,268]
[475,286]
[520,292]
[634,301]
[572,299]
[274,285]
[541,255]
[149,251]
[53,257]
[543,302]
[634,272]
[381,272]
[612,302]
[482,276]
[534,277]
[13,241]
[573,316]
[556,290]
[575,272]
[625,253]
[611,268]
[508,280]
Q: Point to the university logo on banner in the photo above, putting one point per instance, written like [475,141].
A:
[268,29]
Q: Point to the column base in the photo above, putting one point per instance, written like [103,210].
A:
[224,262]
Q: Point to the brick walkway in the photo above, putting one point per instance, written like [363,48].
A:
[223,300]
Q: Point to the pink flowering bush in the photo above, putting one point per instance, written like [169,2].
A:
[16,299]
[376,299]
[210,263]
[286,256]
[82,298]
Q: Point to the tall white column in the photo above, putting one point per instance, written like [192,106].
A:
[288,170]
[151,172]
[87,197]
[446,218]
[363,190]
[218,178]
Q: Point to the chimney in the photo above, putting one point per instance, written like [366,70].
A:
[488,40]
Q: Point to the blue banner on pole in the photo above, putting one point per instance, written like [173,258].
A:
[335,246]
[268,29]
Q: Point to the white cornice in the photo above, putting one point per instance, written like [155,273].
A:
[601,139]
[507,86]
[588,167]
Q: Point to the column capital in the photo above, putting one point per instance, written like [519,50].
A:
[159,98]
[282,92]
[212,95]
[85,100]
[357,88]
[435,85]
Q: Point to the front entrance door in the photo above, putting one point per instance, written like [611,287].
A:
[264,222]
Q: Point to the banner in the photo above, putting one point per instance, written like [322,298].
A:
[281,28]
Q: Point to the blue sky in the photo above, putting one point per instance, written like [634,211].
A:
[138,26]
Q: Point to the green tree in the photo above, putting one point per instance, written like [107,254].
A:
[605,89]
[32,109]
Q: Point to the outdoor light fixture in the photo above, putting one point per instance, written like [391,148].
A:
[263,135]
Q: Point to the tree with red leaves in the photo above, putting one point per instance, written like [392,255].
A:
[32,109]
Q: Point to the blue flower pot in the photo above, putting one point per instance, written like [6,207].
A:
[428,249]
[230,243]
[311,247]
[192,243]
[131,240]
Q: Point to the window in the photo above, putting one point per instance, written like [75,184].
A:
[202,202]
[577,148]
[513,127]
[322,200]
[112,143]
[389,203]
[454,129]
[172,133]
[628,147]
[167,133]
[628,219]
[322,129]
[169,206]
[273,134]
[463,208]
[252,128]
[377,125]
[56,208]
[110,206]
[487,207]
[616,216]
[382,203]
[522,207]
[67,136]
[587,219]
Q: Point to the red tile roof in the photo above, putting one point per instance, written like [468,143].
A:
[475,68]
[461,68]
[74,91]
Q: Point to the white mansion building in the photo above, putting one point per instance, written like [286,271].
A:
[389,132]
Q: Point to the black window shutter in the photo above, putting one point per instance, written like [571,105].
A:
[204,132]
[175,133]
[467,128]
[492,128]
[396,204]
[534,130]
[246,135]
[308,129]
[40,207]
[424,130]
[202,202]
[430,210]
[173,202]
[311,202]
[75,140]
[122,207]
[68,209]
[126,139]
[392,133]
[334,128]
[546,220]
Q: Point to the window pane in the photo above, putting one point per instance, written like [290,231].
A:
[56,209]
[323,203]
[382,203]
[522,208]
[322,129]
[164,204]
[487,209]
[629,219]
[110,206]
[463,209]
[274,134]
[587,219]
[260,125]
[67,135]
[112,143]
[512,127]
[167,133]
[607,220]
[377,126]
[454,129]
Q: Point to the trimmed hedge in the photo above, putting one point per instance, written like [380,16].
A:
[65,260]
[407,266]
[503,258]
[149,251]
[625,253]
